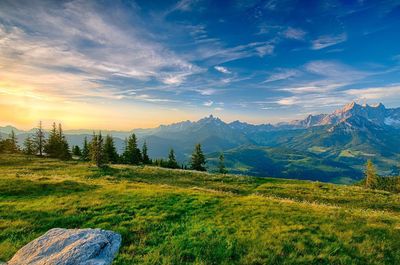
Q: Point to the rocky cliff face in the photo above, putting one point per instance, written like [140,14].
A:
[377,115]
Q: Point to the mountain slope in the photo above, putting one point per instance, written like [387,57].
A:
[185,217]
[348,136]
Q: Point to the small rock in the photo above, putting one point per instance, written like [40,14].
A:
[70,247]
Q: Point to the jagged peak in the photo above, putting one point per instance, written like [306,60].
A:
[210,118]
[377,105]
[350,106]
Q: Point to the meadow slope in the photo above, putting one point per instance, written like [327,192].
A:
[183,217]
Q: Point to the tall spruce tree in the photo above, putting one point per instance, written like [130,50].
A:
[198,160]
[76,151]
[51,147]
[29,146]
[371,177]
[132,154]
[221,164]
[145,156]
[110,152]
[2,145]
[85,150]
[97,150]
[172,163]
[64,152]
[39,139]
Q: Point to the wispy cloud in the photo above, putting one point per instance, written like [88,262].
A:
[57,41]
[282,74]
[208,103]
[294,33]
[222,69]
[328,40]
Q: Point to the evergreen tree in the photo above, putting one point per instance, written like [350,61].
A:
[57,146]
[52,145]
[145,156]
[172,163]
[10,145]
[64,151]
[371,177]
[2,145]
[221,164]
[29,146]
[85,151]
[110,151]
[76,151]
[97,150]
[198,159]
[132,154]
[39,140]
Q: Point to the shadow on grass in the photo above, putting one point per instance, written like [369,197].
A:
[28,188]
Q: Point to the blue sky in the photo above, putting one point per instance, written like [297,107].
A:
[142,63]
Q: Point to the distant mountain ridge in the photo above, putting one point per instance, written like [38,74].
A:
[342,141]
[377,114]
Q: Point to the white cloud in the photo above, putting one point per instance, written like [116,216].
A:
[216,53]
[208,103]
[266,49]
[375,93]
[49,44]
[336,70]
[282,75]
[206,92]
[287,101]
[218,109]
[328,40]
[293,33]
[222,69]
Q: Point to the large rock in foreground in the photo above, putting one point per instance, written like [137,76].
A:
[70,246]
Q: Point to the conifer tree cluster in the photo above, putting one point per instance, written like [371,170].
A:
[103,151]
[57,146]
[10,144]
[99,150]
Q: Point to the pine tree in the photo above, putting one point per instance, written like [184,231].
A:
[51,146]
[221,164]
[85,151]
[97,150]
[198,159]
[132,154]
[57,145]
[371,177]
[11,144]
[110,151]
[76,151]
[39,140]
[29,146]
[172,163]
[145,156]
[64,152]
[2,145]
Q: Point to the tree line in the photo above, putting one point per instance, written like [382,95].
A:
[373,181]
[55,146]
[100,150]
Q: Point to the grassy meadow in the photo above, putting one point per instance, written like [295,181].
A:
[184,217]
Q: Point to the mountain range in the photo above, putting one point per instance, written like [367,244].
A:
[328,147]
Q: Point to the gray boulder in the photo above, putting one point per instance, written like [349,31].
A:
[70,247]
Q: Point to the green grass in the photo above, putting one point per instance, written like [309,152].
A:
[184,217]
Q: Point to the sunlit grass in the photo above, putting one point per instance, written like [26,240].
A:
[183,217]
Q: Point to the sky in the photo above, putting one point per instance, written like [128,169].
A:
[137,64]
